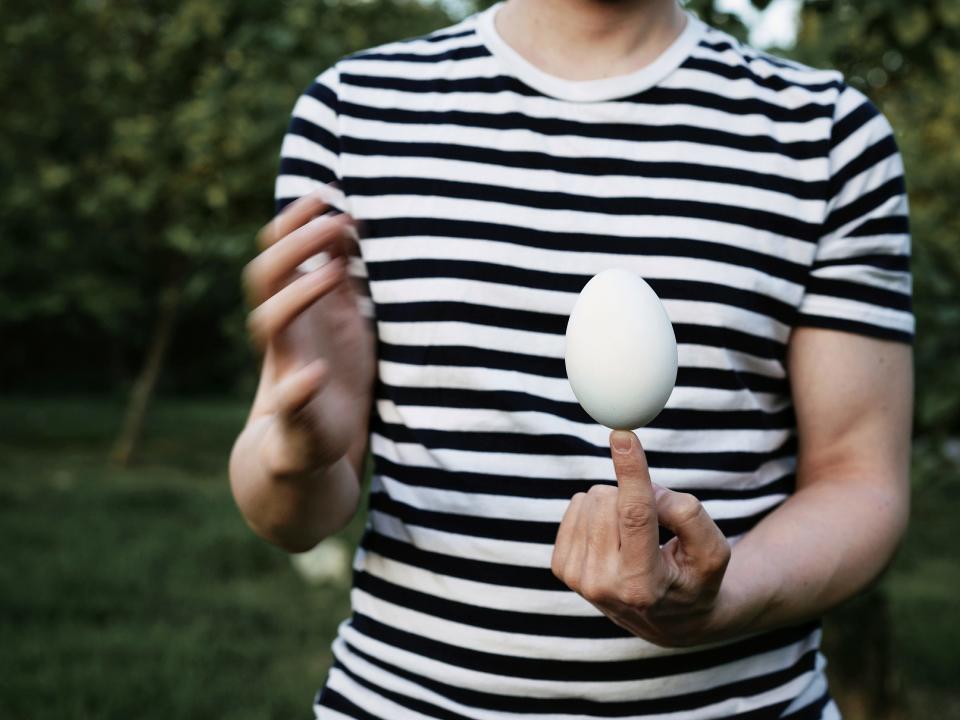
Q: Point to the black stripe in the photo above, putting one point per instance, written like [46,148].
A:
[314,133]
[651,96]
[305,168]
[525,623]
[771,222]
[514,401]
[324,95]
[886,225]
[458,53]
[574,670]
[469,356]
[749,54]
[525,531]
[772,82]
[813,711]
[594,166]
[330,698]
[860,292]
[546,488]
[893,263]
[771,264]
[666,289]
[797,150]
[873,155]
[416,705]
[574,446]
[440,36]
[865,204]
[532,321]
[854,326]
[851,122]
[592,708]
[480,571]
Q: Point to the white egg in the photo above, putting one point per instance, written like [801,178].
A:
[621,353]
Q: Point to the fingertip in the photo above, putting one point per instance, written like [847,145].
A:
[621,440]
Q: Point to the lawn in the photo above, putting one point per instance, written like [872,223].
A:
[140,593]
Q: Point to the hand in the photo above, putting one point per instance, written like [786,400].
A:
[319,363]
[608,551]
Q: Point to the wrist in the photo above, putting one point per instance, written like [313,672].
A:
[742,603]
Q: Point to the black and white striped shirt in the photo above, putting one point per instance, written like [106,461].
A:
[755,195]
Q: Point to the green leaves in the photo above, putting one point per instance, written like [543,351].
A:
[142,138]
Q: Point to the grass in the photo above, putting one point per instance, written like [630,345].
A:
[140,593]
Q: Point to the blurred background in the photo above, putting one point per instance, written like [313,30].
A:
[138,145]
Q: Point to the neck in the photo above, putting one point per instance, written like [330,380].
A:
[590,39]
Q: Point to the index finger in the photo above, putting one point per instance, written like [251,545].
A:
[636,502]
[296,214]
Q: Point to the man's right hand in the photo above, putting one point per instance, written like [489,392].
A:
[319,363]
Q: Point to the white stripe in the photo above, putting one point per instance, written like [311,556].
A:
[611,691]
[579,146]
[523,423]
[572,467]
[588,263]
[634,112]
[594,186]
[560,221]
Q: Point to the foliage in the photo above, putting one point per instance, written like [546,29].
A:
[141,145]
[906,56]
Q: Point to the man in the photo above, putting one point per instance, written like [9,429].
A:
[509,569]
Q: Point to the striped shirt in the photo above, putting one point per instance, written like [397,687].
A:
[754,195]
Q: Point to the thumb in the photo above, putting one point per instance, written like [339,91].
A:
[636,500]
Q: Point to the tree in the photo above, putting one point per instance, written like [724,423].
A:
[146,141]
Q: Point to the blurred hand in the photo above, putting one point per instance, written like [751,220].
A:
[608,551]
[319,364]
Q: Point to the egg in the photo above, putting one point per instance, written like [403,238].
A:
[621,352]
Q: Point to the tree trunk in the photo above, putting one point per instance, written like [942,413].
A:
[128,442]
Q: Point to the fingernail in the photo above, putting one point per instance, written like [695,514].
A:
[621,440]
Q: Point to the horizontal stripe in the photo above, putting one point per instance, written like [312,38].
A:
[519,486]
[799,150]
[411,227]
[514,401]
[593,166]
[634,206]
[578,670]
[582,707]
[510,530]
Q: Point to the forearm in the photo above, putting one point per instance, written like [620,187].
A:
[293,512]
[823,545]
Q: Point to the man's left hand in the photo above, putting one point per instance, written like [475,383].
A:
[608,551]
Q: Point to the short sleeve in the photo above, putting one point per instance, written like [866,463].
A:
[860,277]
[310,161]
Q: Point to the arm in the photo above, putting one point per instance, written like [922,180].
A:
[825,543]
[853,397]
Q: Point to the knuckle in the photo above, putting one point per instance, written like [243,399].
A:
[685,507]
[601,491]
[718,561]
[637,515]
[596,591]
[636,596]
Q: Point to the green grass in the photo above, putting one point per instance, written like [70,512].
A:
[140,593]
